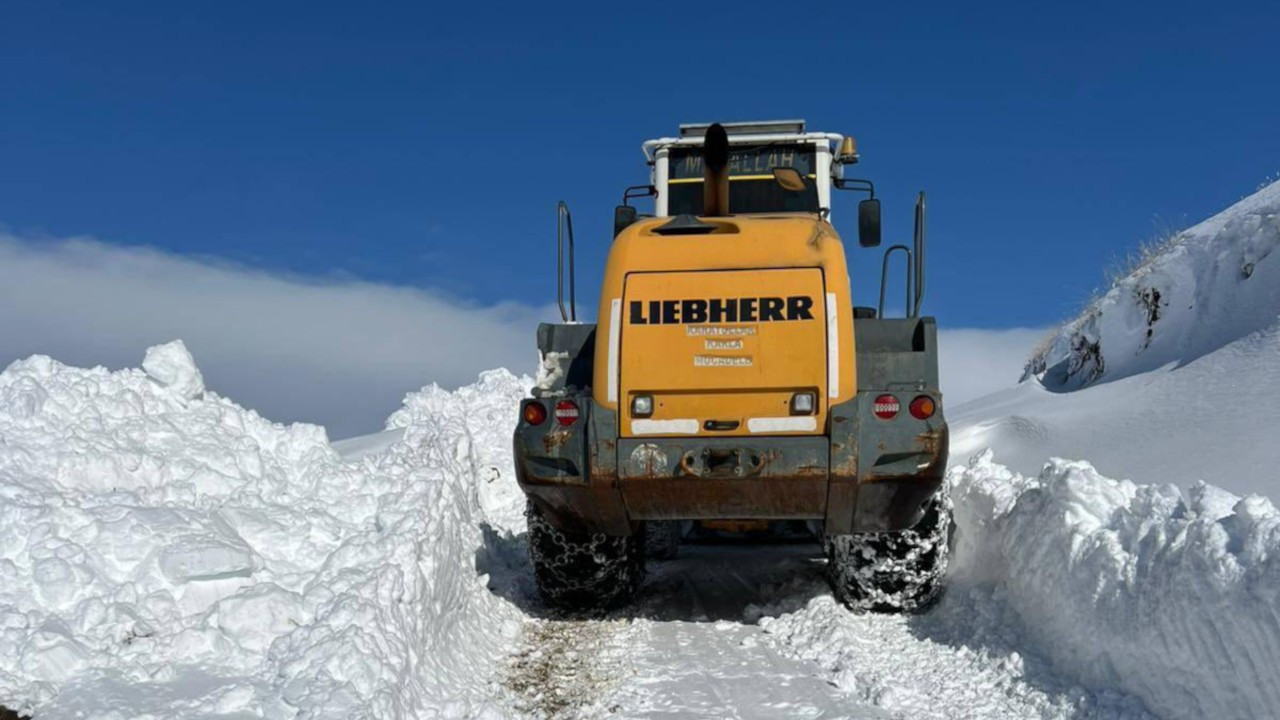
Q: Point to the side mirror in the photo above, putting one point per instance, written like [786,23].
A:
[869,223]
[789,178]
[623,217]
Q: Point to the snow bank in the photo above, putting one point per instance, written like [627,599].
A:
[1133,587]
[176,555]
[486,413]
[1205,287]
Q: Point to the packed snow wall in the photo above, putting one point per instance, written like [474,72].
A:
[1173,599]
[164,551]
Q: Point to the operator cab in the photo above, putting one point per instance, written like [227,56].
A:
[754,189]
[756,149]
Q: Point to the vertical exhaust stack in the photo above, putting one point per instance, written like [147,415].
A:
[715,174]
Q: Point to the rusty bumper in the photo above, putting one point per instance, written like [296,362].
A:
[867,476]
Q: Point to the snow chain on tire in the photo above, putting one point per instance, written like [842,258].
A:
[893,572]
[583,571]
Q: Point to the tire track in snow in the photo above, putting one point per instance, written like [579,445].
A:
[564,668]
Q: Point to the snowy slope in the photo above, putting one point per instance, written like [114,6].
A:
[164,552]
[1170,377]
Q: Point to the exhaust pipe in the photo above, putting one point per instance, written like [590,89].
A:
[715,174]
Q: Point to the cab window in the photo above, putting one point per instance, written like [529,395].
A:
[752,188]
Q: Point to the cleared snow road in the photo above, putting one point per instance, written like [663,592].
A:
[682,649]
[751,631]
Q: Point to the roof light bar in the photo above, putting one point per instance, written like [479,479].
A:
[763,127]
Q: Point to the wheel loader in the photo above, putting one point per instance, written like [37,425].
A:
[729,378]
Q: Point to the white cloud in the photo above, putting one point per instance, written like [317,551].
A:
[341,353]
[973,363]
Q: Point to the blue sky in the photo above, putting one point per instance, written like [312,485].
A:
[426,144]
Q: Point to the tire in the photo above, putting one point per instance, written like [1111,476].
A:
[662,539]
[583,571]
[898,572]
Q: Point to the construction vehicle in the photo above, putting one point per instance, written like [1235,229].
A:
[730,377]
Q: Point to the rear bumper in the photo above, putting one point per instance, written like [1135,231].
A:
[866,475]
[777,478]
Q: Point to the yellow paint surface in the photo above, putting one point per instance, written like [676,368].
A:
[747,256]
[724,371]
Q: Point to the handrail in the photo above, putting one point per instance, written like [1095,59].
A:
[918,241]
[564,220]
[884,276]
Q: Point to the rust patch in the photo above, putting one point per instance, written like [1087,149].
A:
[846,465]
[603,471]
[931,441]
[554,440]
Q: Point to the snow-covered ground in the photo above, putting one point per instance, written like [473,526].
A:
[169,554]
[165,553]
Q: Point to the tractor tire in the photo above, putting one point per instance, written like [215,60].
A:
[583,571]
[897,572]
[662,539]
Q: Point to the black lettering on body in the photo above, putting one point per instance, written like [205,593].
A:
[723,310]
[720,310]
[771,309]
[798,307]
[693,311]
[669,315]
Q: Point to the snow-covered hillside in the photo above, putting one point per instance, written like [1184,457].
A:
[1171,376]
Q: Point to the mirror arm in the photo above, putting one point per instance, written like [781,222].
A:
[856,184]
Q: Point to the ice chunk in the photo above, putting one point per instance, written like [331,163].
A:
[171,365]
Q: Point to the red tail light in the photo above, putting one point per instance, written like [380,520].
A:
[923,407]
[534,413]
[566,412]
[886,407]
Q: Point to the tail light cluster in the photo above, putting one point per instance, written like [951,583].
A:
[887,407]
[535,413]
[566,412]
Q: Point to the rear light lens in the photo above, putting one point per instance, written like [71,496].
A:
[642,406]
[923,407]
[803,403]
[886,407]
[566,412]
[535,413]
